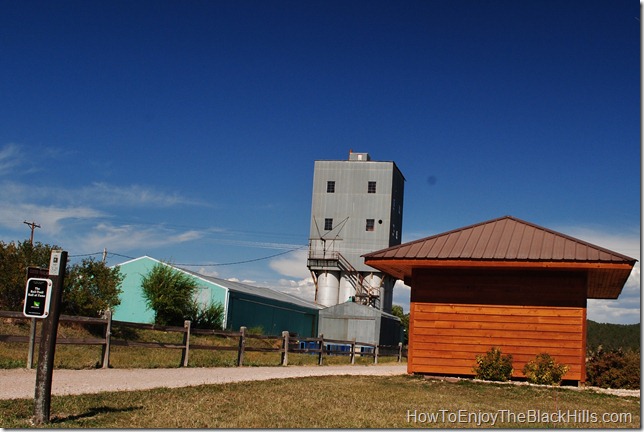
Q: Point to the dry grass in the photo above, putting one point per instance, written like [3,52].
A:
[323,402]
[14,355]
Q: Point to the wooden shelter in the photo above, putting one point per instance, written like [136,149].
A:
[505,283]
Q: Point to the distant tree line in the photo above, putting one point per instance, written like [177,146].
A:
[613,336]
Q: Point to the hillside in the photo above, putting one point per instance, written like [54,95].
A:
[613,336]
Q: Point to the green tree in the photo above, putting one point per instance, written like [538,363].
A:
[91,287]
[15,257]
[404,320]
[169,293]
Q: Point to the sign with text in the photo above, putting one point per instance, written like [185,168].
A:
[37,296]
[54,263]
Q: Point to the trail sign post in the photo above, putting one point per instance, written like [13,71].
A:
[37,298]
[34,272]
[47,348]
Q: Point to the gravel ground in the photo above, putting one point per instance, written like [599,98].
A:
[21,383]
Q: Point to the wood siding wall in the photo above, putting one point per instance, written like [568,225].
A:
[456,315]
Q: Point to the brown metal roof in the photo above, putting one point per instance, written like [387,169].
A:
[508,241]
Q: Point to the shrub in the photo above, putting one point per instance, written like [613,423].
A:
[544,370]
[493,366]
[613,369]
[169,293]
[209,316]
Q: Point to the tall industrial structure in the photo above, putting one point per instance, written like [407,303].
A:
[357,208]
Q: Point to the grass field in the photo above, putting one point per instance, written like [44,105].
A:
[14,355]
[336,402]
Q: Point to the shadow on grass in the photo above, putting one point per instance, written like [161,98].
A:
[93,412]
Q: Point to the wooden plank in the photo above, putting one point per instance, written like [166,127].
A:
[480,348]
[455,358]
[433,316]
[498,341]
[500,325]
[83,320]
[149,326]
[543,311]
[214,347]
[493,333]
[467,371]
[146,344]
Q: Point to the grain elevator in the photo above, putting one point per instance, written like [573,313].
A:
[357,208]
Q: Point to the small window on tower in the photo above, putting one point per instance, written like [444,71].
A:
[371,187]
[370,224]
[330,187]
[328,224]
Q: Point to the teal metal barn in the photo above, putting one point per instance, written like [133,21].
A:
[244,305]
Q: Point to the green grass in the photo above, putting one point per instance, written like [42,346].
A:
[329,402]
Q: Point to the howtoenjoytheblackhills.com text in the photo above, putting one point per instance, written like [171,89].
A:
[500,417]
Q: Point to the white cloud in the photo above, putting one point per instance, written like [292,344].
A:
[50,218]
[292,265]
[10,157]
[127,237]
[303,288]
[401,295]
[131,196]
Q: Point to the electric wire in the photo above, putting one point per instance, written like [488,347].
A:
[199,265]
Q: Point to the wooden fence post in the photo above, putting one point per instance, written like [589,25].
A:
[353,351]
[285,348]
[375,354]
[186,342]
[321,354]
[242,346]
[32,343]
[105,358]
[399,352]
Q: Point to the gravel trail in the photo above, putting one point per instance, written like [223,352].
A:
[20,383]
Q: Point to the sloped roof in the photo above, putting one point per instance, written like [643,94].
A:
[236,286]
[508,242]
[257,291]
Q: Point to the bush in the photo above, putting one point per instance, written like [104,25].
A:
[209,316]
[544,370]
[493,366]
[613,369]
[169,293]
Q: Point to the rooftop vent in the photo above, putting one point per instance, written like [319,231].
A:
[359,156]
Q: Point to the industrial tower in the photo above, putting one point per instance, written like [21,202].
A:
[357,208]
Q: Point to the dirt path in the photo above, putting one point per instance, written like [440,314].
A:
[20,383]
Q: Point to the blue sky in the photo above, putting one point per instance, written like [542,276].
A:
[187,130]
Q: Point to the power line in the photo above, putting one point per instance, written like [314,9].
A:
[197,265]
[242,262]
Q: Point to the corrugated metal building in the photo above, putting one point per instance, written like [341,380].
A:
[244,305]
[356,207]
[505,283]
[353,321]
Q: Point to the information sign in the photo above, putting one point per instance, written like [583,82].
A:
[37,296]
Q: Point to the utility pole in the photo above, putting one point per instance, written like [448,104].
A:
[32,331]
[33,226]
